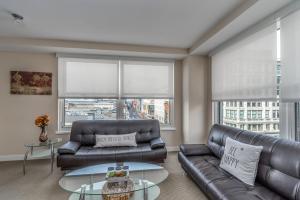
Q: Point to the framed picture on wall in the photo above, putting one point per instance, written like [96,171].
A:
[30,83]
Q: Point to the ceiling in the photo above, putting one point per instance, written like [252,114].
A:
[170,23]
[197,26]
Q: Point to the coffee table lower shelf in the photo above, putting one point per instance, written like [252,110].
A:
[151,193]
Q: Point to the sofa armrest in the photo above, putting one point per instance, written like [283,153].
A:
[157,143]
[69,148]
[195,149]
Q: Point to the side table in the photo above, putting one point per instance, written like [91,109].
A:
[47,152]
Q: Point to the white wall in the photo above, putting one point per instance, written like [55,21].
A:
[17,112]
[196,109]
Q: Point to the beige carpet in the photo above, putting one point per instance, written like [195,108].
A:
[39,184]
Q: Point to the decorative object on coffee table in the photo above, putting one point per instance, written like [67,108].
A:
[42,122]
[118,191]
[118,186]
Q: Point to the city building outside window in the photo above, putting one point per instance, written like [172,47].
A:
[257,117]
[112,109]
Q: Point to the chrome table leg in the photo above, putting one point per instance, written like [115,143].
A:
[25,159]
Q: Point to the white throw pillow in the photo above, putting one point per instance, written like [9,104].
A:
[116,140]
[241,160]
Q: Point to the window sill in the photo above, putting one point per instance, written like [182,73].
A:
[168,128]
[62,132]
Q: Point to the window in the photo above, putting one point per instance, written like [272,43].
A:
[110,109]
[267,114]
[127,90]
[254,114]
[241,114]
[258,89]
[257,119]
[148,109]
[274,114]
[248,114]
[259,114]
[88,109]
[267,103]
[227,114]
[241,104]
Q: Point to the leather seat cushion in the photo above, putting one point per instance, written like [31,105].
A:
[89,155]
[142,152]
[84,150]
[220,185]
[203,169]
[233,189]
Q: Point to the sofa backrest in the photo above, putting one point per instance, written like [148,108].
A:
[84,131]
[279,165]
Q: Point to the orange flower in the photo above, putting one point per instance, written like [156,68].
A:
[42,121]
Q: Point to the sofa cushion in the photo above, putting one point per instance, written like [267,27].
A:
[217,138]
[157,143]
[116,140]
[241,160]
[84,131]
[69,148]
[203,169]
[194,149]
[86,156]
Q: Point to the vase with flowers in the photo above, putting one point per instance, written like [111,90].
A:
[42,122]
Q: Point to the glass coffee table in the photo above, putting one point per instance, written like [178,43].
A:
[89,183]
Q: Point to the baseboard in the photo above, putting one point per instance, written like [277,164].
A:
[172,148]
[17,157]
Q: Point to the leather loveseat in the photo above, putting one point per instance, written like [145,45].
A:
[79,151]
[278,175]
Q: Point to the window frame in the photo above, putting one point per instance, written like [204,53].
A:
[170,62]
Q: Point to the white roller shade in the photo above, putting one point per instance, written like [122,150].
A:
[88,78]
[290,57]
[147,79]
[247,69]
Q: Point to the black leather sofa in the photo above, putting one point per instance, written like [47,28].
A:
[278,175]
[79,151]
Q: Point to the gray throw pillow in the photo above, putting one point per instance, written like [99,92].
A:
[241,160]
[116,140]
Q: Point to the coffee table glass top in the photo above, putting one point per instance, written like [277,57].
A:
[91,180]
